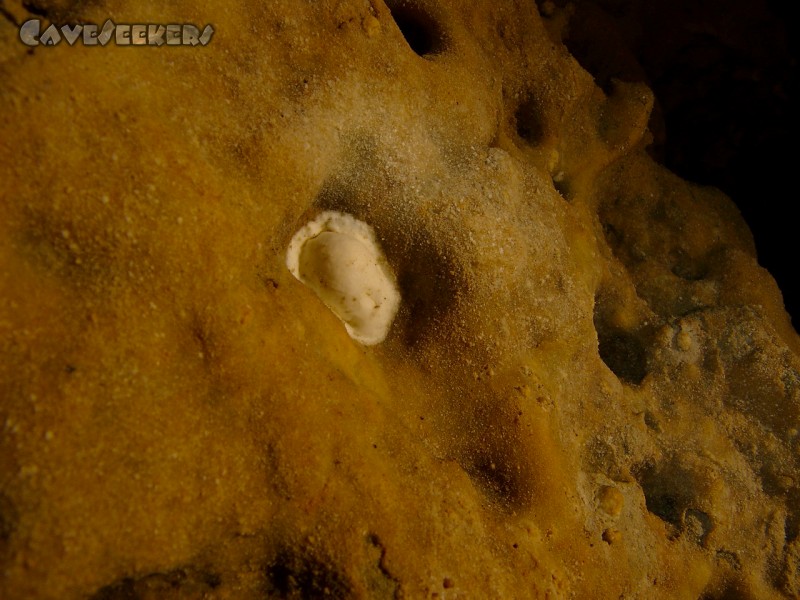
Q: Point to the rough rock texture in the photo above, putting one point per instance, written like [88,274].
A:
[591,389]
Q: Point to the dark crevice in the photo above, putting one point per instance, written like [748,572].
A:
[59,12]
[8,525]
[624,353]
[421,31]
[663,496]
[563,187]
[188,582]
[9,17]
[291,575]
[670,495]
[528,122]
[728,590]
[389,586]
[623,350]
[35,9]
[792,525]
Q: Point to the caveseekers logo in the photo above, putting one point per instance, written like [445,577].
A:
[89,34]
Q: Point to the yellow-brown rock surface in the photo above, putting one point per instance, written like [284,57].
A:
[591,389]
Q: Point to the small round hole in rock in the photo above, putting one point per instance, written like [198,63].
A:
[686,267]
[422,33]
[624,354]
[562,186]
[528,122]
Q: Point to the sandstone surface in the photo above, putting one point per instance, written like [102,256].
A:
[590,390]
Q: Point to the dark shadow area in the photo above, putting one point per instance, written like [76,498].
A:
[624,354]
[528,121]
[294,576]
[180,583]
[623,351]
[8,524]
[724,74]
[423,34]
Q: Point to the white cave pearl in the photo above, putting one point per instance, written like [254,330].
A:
[339,257]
